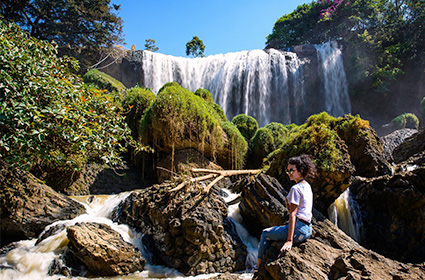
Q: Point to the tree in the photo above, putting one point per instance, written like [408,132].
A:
[150,45]
[76,26]
[195,47]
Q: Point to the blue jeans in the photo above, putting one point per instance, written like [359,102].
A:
[301,233]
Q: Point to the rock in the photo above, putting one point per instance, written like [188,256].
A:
[103,251]
[184,229]
[410,146]
[102,179]
[330,254]
[394,139]
[27,206]
[263,202]
[393,220]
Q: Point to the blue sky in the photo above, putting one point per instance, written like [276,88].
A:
[223,25]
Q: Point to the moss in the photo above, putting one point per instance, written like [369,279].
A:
[261,145]
[236,145]
[136,101]
[205,94]
[103,81]
[422,104]
[406,120]
[279,132]
[169,84]
[247,125]
[219,112]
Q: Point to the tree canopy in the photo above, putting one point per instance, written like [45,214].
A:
[150,45]
[195,47]
[76,26]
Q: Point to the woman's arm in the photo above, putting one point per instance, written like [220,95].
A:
[291,226]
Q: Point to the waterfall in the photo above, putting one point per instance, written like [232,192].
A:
[268,85]
[337,100]
[345,214]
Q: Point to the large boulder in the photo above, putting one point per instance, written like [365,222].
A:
[262,202]
[103,251]
[392,208]
[330,255]
[411,146]
[27,206]
[394,139]
[184,229]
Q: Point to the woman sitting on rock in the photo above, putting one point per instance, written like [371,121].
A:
[300,202]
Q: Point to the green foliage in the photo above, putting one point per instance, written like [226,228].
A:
[247,125]
[195,47]
[136,101]
[279,132]
[169,84]
[262,144]
[48,116]
[205,94]
[380,36]
[150,45]
[82,25]
[423,105]
[220,112]
[406,120]
[103,81]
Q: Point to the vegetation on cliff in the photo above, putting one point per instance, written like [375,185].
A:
[380,36]
[48,116]
[103,81]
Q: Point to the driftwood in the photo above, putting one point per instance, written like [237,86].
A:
[216,174]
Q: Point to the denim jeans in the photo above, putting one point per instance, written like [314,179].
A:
[301,233]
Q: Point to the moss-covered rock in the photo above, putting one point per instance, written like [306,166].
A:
[341,147]
[262,144]
[423,106]
[247,125]
[103,81]
[179,119]
[136,101]
[234,152]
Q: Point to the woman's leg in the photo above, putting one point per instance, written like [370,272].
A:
[270,234]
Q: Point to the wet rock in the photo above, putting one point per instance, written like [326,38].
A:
[27,206]
[103,251]
[184,229]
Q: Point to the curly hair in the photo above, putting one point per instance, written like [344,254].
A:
[304,164]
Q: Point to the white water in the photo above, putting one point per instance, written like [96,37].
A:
[345,214]
[267,85]
[31,262]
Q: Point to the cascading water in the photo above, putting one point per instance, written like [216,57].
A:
[268,85]
[345,214]
[29,260]
[337,101]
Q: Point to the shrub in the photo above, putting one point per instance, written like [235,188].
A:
[136,101]
[48,116]
[103,81]
[247,125]
[406,120]
[279,132]
[205,94]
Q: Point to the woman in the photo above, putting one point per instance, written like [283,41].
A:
[300,202]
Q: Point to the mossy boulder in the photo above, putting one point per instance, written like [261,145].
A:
[266,140]
[179,119]
[103,81]
[136,102]
[341,147]
[247,125]
[205,94]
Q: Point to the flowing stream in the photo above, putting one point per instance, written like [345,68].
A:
[269,85]
[29,261]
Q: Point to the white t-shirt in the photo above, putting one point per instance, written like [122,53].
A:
[302,195]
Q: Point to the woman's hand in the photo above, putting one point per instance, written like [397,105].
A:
[287,246]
